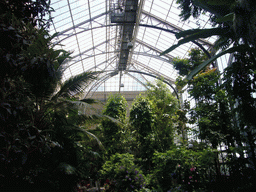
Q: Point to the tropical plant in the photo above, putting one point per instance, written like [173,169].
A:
[239,82]
[141,116]
[221,115]
[39,120]
[182,166]
[165,106]
[116,106]
[234,23]
[212,112]
[185,66]
[141,120]
[121,173]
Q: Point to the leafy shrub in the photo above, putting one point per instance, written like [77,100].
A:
[181,166]
[121,174]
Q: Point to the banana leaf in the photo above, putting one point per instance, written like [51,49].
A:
[240,48]
[229,17]
[195,34]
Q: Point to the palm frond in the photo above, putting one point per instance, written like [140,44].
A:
[223,43]
[90,135]
[89,101]
[75,84]
[63,57]
[227,18]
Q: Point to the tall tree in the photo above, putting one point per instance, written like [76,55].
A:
[116,108]
[165,107]
[141,119]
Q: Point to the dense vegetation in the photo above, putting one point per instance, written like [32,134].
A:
[45,144]
[40,118]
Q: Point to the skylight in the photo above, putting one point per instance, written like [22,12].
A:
[85,29]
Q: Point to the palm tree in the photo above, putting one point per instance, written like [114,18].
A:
[40,117]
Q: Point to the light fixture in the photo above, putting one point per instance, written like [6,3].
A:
[129,45]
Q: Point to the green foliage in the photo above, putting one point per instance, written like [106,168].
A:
[39,135]
[75,85]
[181,166]
[185,66]
[35,12]
[182,65]
[141,116]
[122,173]
[239,81]
[180,83]
[152,118]
[141,119]
[116,108]
[181,120]
[212,111]
[165,106]
[204,85]
[235,22]
[207,62]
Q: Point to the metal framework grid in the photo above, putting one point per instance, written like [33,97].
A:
[123,38]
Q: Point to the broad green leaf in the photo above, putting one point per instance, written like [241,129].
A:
[187,32]
[89,101]
[216,10]
[53,36]
[204,64]
[196,34]
[228,17]
[170,49]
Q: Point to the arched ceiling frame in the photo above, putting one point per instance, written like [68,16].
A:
[160,78]
[136,79]
[113,73]
[171,26]
[104,78]
[158,51]
[159,23]
[137,41]
[141,25]
[150,70]
[64,32]
[153,73]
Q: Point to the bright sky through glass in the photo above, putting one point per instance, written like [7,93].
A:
[85,30]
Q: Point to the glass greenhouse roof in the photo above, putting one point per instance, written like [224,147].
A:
[123,38]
